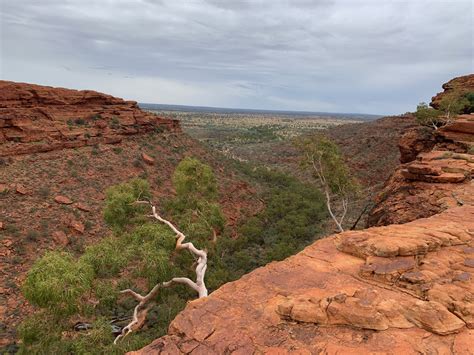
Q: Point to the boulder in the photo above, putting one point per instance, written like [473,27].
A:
[60,238]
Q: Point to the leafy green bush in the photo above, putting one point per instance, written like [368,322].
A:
[194,180]
[120,209]
[57,281]
[107,258]
[106,294]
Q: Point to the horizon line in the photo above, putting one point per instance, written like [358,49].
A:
[231,109]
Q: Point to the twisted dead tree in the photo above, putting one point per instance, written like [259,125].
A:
[146,302]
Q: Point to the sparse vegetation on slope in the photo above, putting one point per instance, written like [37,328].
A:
[139,254]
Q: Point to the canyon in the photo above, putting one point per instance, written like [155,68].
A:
[404,285]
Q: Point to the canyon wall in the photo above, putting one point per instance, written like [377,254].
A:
[37,119]
[436,170]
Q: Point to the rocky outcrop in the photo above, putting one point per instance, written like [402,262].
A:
[404,289]
[37,118]
[459,85]
[437,170]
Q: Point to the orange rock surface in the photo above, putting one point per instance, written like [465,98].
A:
[405,289]
[36,118]
[437,169]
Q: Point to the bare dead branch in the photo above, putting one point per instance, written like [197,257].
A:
[145,302]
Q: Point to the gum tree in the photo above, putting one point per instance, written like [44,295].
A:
[323,158]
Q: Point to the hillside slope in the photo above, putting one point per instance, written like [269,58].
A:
[63,149]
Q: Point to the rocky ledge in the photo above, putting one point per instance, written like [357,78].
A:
[461,84]
[404,289]
[37,118]
[436,172]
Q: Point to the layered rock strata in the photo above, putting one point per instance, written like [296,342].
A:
[436,171]
[37,119]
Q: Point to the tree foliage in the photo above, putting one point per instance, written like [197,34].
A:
[194,180]
[292,219]
[57,281]
[450,105]
[326,163]
[120,209]
[428,116]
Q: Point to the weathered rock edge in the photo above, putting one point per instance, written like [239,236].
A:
[395,289]
[36,119]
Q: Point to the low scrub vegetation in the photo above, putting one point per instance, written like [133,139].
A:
[79,306]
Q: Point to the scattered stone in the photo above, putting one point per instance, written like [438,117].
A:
[148,159]
[7,242]
[83,207]
[20,189]
[60,238]
[63,200]
[77,226]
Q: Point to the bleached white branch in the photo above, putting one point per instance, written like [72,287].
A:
[140,311]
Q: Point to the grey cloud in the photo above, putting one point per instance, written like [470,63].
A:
[347,56]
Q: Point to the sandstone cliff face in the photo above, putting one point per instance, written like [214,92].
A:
[404,289]
[462,84]
[37,118]
[437,169]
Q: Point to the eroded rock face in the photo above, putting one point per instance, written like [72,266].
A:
[462,84]
[37,118]
[400,289]
[436,171]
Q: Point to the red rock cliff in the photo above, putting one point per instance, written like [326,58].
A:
[436,171]
[37,118]
[462,84]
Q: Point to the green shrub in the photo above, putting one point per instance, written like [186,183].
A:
[56,281]
[120,209]
[107,258]
[195,180]
[106,294]
[37,328]
[428,116]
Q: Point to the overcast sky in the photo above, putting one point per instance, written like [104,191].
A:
[380,56]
